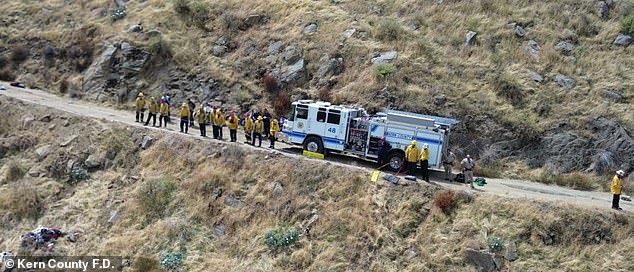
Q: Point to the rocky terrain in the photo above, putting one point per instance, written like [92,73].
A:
[541,88]
[169,202]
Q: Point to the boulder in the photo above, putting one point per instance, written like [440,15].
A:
[533,48]
[614,96]
[310,28]
[134,59]
[440,99]
[565,81]
[565,47]
[275,47]
[481,259]
[135,28]
[219,50]
[43,151]
[291,54]
[536,77]
[623,40]
[253,19]
[383,57]
[147,142]
[34,172]
[94,161]
[278,189]
[602,9]
[348,33]
[295,73]
[329,66]
[470,37]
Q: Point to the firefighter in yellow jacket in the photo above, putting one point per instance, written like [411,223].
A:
[164,111]
[411,157]
[219,121]
[140,107]
[617,188]
[232,124]
[153,109]
[184,114]
[424,162]
[201,117]
[275,127]
[248,127]
[258,129]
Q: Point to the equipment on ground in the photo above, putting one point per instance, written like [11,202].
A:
[349,130]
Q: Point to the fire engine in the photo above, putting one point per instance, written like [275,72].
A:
[321,127]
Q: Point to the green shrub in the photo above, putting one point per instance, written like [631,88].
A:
[171,260]
[281,237]
[507,88]
[154,196]
[119,13]
[496,244]
[77,174]
[383,70]
[389,30]
[627,24]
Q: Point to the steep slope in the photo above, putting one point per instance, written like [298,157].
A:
[217,203]
[542,84]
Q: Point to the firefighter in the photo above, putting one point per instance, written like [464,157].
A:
[140,107]
[220,122]
[201,115]
[184,114]
[384,148]
[164,111]
[275,127]
[248,127]
[424,162]
[232,123]
[616,188]
[153,109]
[258,129]
[467,169]
[411,157]
[192,106]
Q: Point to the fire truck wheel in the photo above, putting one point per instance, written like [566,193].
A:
[395,160]
[314,144]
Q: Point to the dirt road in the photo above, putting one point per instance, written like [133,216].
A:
[500,187]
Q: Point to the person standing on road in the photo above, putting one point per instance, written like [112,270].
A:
[220,122]
[617,188]
[214,127]
[184,114]
[192,106]
[266,118]
[248,127]
[424,162]
[164,112]
[140,107]
[257,131]
[384,149]
[153,109]
[201,115]
[411,157]
[275,127]
[467,169]
[447,162]
[232,124]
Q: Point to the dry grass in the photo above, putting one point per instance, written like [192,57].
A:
[22,201]
[576,180]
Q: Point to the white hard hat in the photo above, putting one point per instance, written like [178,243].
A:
[620,172]
[425,146]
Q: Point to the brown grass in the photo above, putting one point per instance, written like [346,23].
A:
[22,201]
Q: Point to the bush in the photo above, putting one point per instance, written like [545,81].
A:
[49,52]
[182,7]
[154,196]
[445,201]
[389,30]
[7,75]
[383,70]
[507,88]
[171,260]
[15,171]
[270,83]
[3,61]
[19,54]
[77,174]
[282,103]
[281,237]
[119,13]
[496,244]
[63,86]
[627,24]
[142,264]
[324,94]
[24,202]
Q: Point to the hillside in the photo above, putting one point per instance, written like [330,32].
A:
[215,204]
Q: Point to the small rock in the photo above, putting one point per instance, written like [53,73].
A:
[565,47]
[46,118]
[603,9]
[519,30]
[135,28]
[232,201]
[536,77]
[363,35]
[470,37]
[510,252]
[68,141]
[43,151]
[52,127]
[27,121]
[412,252]
[219,229]
[135,178]
[252,20]
[310,28]
[384,57]
[565,81]
[623,40]
[69,165]
[153,33]
[72,237]
[93,161]
[34,172]
[291,54]
[482,259]
[533,48]
[114,215]
[440,100]
[275,48]
[278,189]
[349,32]
[613,95]
[219,50]
[147,142]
